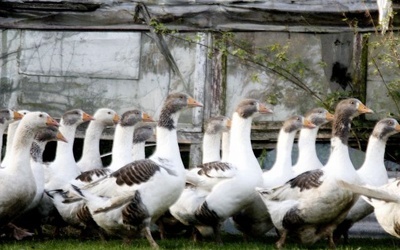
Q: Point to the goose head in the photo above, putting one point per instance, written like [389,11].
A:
[386,128]
[173,105]
[49,133]
[132,117]
[143,133]
[251,107]
[319,116]
[37,120]
[75,117]
[7,116]
[106,116]
[295,123]
[218,124]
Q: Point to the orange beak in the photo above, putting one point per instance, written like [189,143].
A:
[193,103]
[51,122]
[397,128]
[17,115]
[229,123]
[147,118]
[262,109]
[60,137]
[362,109]
[329,117]
[116,118]
[86,117]
[308,124]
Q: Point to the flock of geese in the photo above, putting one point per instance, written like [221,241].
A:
[307,201]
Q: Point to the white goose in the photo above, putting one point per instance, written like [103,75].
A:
[212,137]
[386,203]
[121,149]
[372,172]
[16,180]
[6,117]
[310,206]
[140,184]
[255,220]
[233,194]
[308,159]
[12,128]
[64,168]
[90,158]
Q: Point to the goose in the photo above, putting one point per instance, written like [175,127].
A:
[145,188]
[90,158]
[121,155]
[308,159]
[311,205]
[254,220]
[30,217]
[64,168]
[16,180]
[12,127]
[6,117]
[384,199]
[236,191]
[372,172]
[225,145]
[211,154]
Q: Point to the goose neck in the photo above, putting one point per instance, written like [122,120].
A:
[122,145]
[37,149]
[211,147]
[306,142]
[138,151]
[12,127]
[284,149]
[375,152]
[92,140]
[240,146]
[68,132]
[225,146]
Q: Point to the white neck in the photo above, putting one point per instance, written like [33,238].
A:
[284,147]
[20,152]
[339,163]
[167,143]
[66,149]
[12,127]
[373,166]
[91,151]
[240,149]
[211,147]
[122,146]
[308,158]
[138,152]
[225,146]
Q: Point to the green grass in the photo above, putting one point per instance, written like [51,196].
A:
[230,242]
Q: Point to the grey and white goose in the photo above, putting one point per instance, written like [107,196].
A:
[236,190]
[373,172]
[255,220]
[308,158]
[17,181]
[310,206]
[7,116]
[137,194]
[121,151]
[90,158]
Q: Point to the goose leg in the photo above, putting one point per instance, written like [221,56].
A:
[281,242]
[147,233]
[217,232]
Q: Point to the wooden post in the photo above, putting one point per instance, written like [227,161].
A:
[360,60]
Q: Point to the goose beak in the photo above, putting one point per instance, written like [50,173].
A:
[229,123]
[329,116]
[86,117]
[51,122]
[193,103]
[17,115]
[60,137]
[362,109]
[397,128]
[308,124]
[116,118]
[147,118]
[262,109]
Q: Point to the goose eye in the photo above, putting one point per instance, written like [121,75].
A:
[352,102]
[390,123]
[40,115]
[109,112]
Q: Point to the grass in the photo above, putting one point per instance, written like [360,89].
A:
[230,242]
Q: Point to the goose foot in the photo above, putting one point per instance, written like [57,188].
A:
[149,237]
[281,242]
[19,233]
